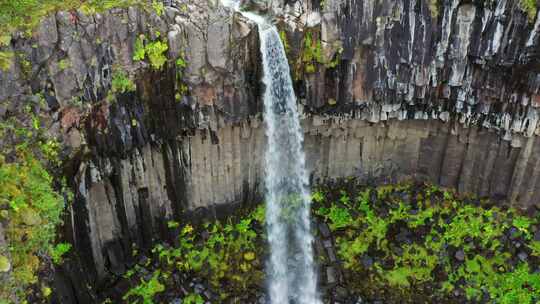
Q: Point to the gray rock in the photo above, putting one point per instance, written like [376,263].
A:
[460,255]
[331,254]
[367,261]
[331,275]
[218,50]
[324,230]
[327,243]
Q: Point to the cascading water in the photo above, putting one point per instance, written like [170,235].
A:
[290,269]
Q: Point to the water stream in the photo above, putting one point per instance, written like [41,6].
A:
[290,269]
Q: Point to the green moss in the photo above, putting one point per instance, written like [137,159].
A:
[58,251]
[193,299]
[25,15]
[6,59]
[146,290]
[155,51]
[34,210]
[227,255]
[285,41]
[434,8]
[158,7]
[30,207]
[438,224]
[121,83]
[530,7]
[181,86]
[5,265]
[312,55]
[64,64]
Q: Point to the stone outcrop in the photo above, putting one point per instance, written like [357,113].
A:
[447,92]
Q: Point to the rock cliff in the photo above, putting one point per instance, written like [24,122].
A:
[447,91]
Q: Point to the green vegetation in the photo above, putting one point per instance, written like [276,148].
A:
[153,50]
[146,290]
[530,7]
[25,15]
[6,59]
[29,204]
[193,299]
[410,243]
[434,8]
[57,252]
[64,64]
[312,55]
[33,209]
[285,41]
[226,255]
[181,87]
[158,7]
[121,82]
[426,245]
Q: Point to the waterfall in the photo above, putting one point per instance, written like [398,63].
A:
[290,268]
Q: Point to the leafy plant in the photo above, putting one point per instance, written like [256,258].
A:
[339,217]
[33,209]
[121,82]
[6,59]
[158,7]
[58,251]
[154,50]
[25,15]
[193,298]
[530,7]
[146,290]
[64,64]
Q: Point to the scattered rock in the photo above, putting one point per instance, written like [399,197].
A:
[331,275]
[367,261]
[460,255]
[537,235]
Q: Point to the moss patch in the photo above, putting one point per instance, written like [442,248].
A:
[407,243]
[419,243]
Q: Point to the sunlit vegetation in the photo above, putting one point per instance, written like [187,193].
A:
[311,54]
[406,243]
[228,255]
[121,83]
[26,15]
[530,7]
[181,86]
[30,205]
[154,51]
[423,243]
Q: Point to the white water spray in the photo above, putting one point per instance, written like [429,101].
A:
[290,269]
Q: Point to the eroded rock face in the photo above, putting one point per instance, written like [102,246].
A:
[401,89]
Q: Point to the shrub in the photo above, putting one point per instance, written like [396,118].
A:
[154,50]
[33,211]
[59,251]
[121,83]
[146,289]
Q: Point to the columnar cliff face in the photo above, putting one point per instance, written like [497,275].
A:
[445,91]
